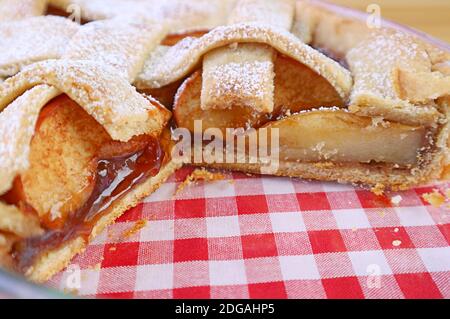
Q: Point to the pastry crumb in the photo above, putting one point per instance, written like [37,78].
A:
[396,200]
[382,213]
[396,243]
[436,199]
[197,176]
[135,228]
[96,267]
[378,189]
[114,248]
[377,121]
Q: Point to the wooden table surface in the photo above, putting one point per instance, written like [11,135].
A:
[431,16]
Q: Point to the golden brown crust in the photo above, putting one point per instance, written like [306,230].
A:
[278,13]
[337,29]
[95,72]
[423,87]
[103,89]
[240,75]
[111,100]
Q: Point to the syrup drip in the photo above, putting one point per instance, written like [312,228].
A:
[115,177]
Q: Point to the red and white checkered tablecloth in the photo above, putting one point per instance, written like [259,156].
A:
[263,237]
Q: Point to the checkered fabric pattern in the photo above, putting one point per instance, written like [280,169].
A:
[263,237]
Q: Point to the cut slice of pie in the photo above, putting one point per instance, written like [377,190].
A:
[79,148]
[79,145]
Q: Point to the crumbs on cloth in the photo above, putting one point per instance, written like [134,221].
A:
[197,176]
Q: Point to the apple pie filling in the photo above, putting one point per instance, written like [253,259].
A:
[313,122]
[77,173]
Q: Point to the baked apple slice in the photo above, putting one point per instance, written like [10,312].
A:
[61,174]
[339,136]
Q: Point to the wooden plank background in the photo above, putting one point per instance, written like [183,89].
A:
[431,16]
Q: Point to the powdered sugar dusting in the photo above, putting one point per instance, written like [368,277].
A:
[118,43]
[279,13]
[243,80]
[227,75]
[110,99]
[373,61]
[180,15]
[11,10]
[31,40]
[183,57]
[376,64]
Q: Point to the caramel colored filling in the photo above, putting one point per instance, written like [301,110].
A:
[114,178]
[76,178]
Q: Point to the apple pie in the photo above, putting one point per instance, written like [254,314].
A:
[88,88]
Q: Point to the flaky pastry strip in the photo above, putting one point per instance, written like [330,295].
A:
[181,15]
[244,74]
[110,99]
[239,76]
[319,26]
[182,58]
[375,64]
[97,9]
[11,10]
[121,44]
[279,13]
[422,87]
[31,40]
